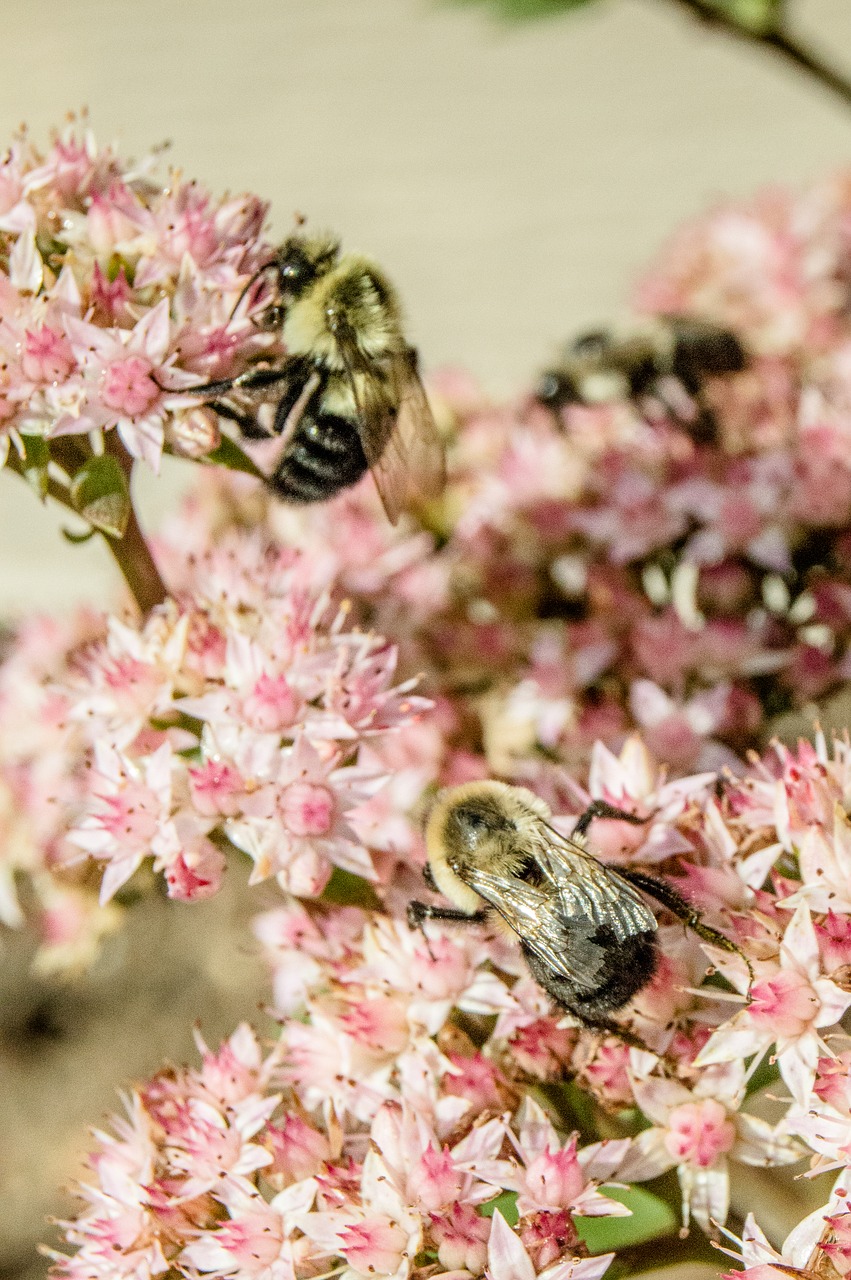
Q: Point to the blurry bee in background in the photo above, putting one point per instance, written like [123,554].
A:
[586,932]
[667,361]
[346,396]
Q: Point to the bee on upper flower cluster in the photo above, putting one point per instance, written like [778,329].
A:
[663,365]
[346,396]
[585,929]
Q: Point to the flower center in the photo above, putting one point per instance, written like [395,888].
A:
[128,386]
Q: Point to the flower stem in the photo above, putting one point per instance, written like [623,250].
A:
[777,38]
[131,552]
[133,557]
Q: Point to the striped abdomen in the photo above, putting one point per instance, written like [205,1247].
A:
[323,456]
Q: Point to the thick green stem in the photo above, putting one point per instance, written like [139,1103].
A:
[779,40]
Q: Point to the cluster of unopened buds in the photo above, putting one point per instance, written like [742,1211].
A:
[594,594]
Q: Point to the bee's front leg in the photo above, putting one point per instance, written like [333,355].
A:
[602,809]
[419,912]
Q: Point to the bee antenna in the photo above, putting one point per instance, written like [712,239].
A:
[273,262]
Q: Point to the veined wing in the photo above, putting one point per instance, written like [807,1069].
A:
[586,886]
[559,918]
[397,431]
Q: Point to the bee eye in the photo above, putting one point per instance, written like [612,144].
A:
[272,318]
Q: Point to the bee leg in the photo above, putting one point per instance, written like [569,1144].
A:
[252,378]
[668,897]
[601,809]
[249,426]
[418,912]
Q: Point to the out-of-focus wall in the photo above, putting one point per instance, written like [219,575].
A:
[512,179]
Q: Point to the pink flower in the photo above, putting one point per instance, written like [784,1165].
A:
[788,1008]
[508,1259]
[696,1131]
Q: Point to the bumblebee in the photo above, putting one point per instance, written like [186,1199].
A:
[667,361]
[346,397]
[585,929]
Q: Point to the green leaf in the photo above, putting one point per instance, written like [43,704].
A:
[651,1219]
[756,17]
[507,1205]
[345,889]
[99,492]
[229,454]
[36,458]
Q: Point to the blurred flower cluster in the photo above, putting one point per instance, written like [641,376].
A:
[599,607]
[601,571]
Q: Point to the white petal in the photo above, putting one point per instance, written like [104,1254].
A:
[648,1157]
[26,269]
[764,1144]
[507,1256]
[579,1268]
[799,948]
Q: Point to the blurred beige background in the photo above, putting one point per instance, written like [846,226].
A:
[512,180]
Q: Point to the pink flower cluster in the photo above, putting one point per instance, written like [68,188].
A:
[395,1106]
[115,285]
[246,714]
[240,1169]
[593,595]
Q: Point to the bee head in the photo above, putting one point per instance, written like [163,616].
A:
[556,388]
[301,260]
[476,823]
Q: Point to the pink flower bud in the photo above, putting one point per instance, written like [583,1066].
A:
[547,1237]
[434,1182]
[47,356]
[195,432]
[298,1150]
[462,1238]
[215,788]
[196,873]
[555,1178]
[128,387]
[271,705]
[307,809]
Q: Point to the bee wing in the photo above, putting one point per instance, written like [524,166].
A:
[532,914]
[398,433]
[578,896]
[588,887]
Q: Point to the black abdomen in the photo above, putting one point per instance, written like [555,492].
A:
[626,968]
[324,456]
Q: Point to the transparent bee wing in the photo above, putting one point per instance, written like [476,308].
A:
[587,887]
[534,917]
[398,432]
[557,919]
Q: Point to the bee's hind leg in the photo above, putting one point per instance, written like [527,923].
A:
[667,896]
